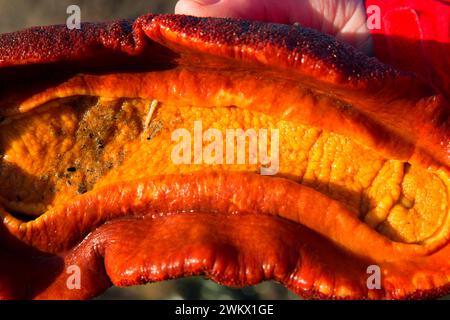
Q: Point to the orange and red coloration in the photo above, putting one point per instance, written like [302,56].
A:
[235,227]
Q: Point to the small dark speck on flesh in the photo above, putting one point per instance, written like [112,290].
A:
[100,144]
[71,169]
[82,189]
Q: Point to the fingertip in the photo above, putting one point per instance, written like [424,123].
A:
[268,10]
[196,7]
[219,8]
[183,7]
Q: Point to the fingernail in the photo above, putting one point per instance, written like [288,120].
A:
[206,2]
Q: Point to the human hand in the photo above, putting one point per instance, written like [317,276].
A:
[343,19]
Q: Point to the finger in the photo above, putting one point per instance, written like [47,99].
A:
[288,11]
[344,19]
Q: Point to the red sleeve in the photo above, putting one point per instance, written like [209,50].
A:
[415,36]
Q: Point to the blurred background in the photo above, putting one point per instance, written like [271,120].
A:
[20,14]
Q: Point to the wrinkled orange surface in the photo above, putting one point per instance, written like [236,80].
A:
[69,147]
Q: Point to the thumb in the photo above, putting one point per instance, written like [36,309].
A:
[344,19]
[262,10]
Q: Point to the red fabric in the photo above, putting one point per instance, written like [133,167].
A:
[415,36]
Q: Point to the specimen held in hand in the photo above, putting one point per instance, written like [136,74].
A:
[87,177]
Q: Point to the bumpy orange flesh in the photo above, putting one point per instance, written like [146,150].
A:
[75,145]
